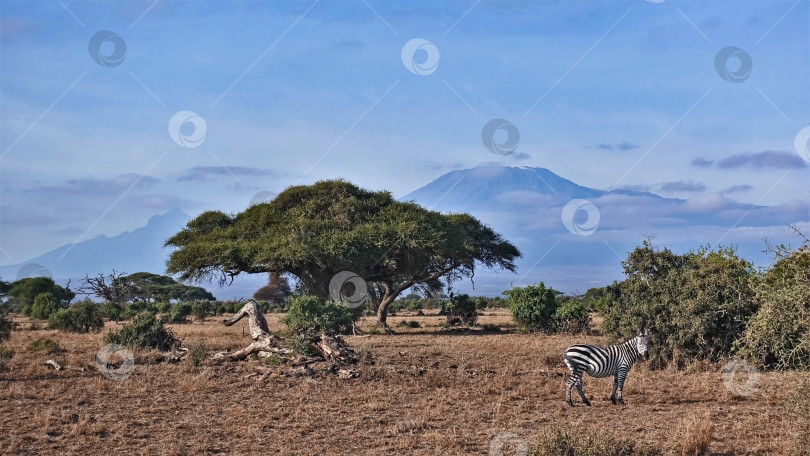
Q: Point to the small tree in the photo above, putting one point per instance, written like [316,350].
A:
[114,287]
[276,290]
[44,305]
[461,310]
[533,307]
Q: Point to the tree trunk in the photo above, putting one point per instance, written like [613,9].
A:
[382,310]
[256,321]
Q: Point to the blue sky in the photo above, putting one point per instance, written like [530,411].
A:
[607,94]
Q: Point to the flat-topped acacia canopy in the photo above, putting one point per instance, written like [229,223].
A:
[315,231]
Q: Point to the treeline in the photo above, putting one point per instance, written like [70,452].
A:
[415,302]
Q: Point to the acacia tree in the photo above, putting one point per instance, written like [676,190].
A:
[276,290]
[313,232]
[154,287]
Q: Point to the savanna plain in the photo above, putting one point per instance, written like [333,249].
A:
[425,390]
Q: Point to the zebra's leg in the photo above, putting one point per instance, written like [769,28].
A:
[579,389]
[568,384]
[621,375]
[615,386]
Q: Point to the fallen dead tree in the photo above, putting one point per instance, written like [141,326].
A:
[328,348]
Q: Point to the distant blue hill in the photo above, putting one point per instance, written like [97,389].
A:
[138,250]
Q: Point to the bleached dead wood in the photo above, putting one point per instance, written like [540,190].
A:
[332,349]
[53,364]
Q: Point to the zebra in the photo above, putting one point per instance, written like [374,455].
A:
[599,362]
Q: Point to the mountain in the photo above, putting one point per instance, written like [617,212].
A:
[138,250]
[574,237]
[490,186]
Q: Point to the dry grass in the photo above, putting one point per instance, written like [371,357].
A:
[429,391]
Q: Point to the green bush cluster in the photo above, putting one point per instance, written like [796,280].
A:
[312,315]
[82,317]
[415,303]
[695,305]
[112,311]
[145,331]
[179,312]
[536,308]
[22,293]
[44,305]
[778,336]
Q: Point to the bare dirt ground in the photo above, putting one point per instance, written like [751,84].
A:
[429,391]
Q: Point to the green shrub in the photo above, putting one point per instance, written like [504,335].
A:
[778,336]
[112,311]
[533,307]
[179,312]
[264,306]
[82,317]
[572,316]
[162,307]
[200,309]
[44,305]
[145,331]
[197,353]
[310,314]
[43,344]
[695,305]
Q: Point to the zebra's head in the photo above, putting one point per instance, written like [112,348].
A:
[643,342]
